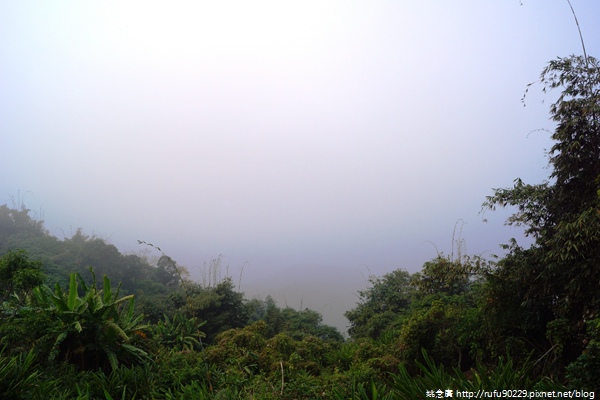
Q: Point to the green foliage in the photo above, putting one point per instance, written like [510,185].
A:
[515,322]
[179,333]
[373,391]
[18,277]
[303,323]
[448,276]
[80,252]
[438,309]
[166,271]
[18,230]
[221,306]
[381,305]
[18,375]
[556,280]
[295,323]
[583,372]
[448,327]
[503,376]
[176,369]
[95,329]
[191,391]
[18,274]
[154,300]
[17,223]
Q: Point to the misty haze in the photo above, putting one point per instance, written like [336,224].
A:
[284,156]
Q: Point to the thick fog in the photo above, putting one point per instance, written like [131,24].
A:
[309,143]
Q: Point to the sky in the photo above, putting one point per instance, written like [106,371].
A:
[307,144]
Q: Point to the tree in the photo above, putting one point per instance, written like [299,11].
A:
[558,277]
[380,305]
[18,274]
[445,275]
[18,277]
[445,315]
[220,306]
[303,323]
[166,271]
[267,311]
[15,222]
[446,326]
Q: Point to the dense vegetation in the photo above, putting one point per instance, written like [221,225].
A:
[526,321]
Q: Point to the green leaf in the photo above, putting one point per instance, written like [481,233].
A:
[112,357]
[107,290]
[57,299]
[72,292]
[116,328]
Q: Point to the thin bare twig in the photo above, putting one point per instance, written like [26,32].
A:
[580,35]
[282,382]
